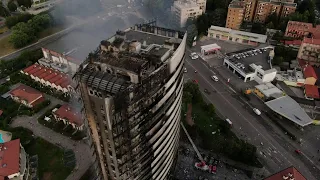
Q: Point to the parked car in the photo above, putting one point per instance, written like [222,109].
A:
[194,56]
[229,122]
[257,111]
[185,70]
[215,78]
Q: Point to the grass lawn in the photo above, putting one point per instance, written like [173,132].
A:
[51,30]
[51,165]
[6,47]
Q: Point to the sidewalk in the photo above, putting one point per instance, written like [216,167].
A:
[80,148]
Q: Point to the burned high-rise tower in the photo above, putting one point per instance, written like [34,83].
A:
[131,89]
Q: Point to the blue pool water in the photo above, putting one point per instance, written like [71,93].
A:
[1,140]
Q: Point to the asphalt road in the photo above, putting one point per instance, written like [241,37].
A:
[275,152]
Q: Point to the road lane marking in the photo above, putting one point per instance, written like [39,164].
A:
[226,100]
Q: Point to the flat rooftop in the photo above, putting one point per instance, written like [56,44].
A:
[260,38]
[290,109]
[252,57]
[143,36]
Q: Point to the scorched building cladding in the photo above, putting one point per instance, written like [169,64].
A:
[131,88]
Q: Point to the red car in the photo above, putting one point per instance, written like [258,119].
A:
[298,151]
[195,81]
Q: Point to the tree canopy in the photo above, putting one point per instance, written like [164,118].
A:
[24,33]
[12,6]
[24,3]
[13,20]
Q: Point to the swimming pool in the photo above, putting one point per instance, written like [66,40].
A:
[1,140]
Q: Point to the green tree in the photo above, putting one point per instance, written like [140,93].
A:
[12,6]
[278,60]
[218,17]
[192,32]
[25,3]
[203,24]
[22,34]
[3,11]
[13,20]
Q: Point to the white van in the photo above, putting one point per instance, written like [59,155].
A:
[257,111]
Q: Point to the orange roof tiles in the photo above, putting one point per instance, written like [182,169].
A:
[9,158]
[26,93]
[311,91]
[311,41]
[308,71]
[70,114]
[290,172]
[48,74]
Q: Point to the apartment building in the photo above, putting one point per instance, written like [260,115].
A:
[182,10]
[301,29]
[266,7]
[257,11]
[131,89]
[309,51]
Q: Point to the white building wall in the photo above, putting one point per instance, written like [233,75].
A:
[269,77]
[177,56]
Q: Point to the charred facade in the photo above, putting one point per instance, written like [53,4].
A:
[131,90]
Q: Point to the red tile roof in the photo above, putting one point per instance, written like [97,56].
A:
[311,41]
[308,71]
[70,114]
[311,91]
[26,93]
[291,171]
[293,42]
[9,158]
[48,74]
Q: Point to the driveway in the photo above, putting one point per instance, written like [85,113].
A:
[80,148]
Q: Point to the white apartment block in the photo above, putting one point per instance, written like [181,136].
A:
[184,9]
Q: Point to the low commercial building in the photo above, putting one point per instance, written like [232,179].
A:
[49,77]
[290,109]
[27,96]
[243,37]
[14,161]
[290,173]
[267,91]
[298,29]
[69,116]
[209,49]
[291,78]
[253,67]
[183,10]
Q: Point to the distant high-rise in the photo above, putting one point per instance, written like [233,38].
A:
[131,89]
[183,10]
[257,11]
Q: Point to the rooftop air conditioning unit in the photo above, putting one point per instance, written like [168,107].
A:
[284,177]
